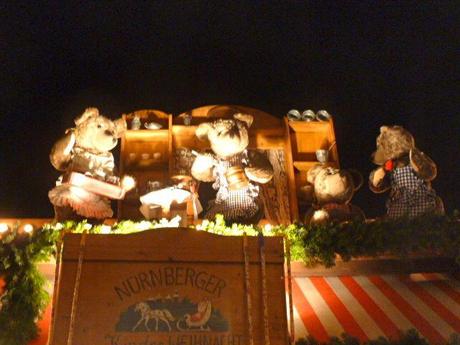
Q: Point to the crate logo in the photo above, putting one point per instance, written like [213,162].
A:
[172,314]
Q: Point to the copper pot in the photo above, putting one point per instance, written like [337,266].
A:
[236,178]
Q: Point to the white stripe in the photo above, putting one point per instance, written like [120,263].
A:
[320,307]
[384,303]
[367,324]
[440,296]
[426,312]
[299,327]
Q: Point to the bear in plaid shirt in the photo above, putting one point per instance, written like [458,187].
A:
[406,172]
[234,171]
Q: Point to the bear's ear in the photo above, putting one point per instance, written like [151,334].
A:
[246,118]
[424,167]
[120,127]
[203,130]
[89,113]
[383,129]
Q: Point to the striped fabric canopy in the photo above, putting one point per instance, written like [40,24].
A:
[371,306]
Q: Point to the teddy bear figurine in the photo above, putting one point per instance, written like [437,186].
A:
[406,172]
[234,170]
[333,190]
[86,149]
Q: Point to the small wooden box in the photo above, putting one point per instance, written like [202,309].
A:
[169,287]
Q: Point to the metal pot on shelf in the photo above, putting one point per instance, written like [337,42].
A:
[335,185]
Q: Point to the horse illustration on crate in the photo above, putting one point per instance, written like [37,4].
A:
[148,314]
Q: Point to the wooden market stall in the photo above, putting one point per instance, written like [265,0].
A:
[152,154]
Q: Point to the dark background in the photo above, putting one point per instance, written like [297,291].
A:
[367,63]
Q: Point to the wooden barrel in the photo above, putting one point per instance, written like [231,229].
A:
[236,178]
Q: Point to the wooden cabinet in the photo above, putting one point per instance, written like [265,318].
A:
[145,155]
[303,139]
[152,154]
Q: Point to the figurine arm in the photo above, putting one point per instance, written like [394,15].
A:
[379,181]
[61,153]
[203,168]
[259,169]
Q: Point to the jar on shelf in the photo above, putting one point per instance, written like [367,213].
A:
[136,123]
[187,119]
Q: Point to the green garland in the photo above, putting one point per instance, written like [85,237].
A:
[25,298]
[430,234]
[410,337]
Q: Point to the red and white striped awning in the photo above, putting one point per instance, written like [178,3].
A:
[381,305]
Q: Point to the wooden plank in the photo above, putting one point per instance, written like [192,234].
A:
[170,145]
[334,151]
[262,119]
[267,138]
[263,139]
[312,126]
[177,245]
[184,136]
[307,165]
[147,135]
[293,205]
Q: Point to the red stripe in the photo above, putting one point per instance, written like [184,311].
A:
[309,318]
[433,303]
[43,325]
[342,314]
[2,285]
[381,319]
[409,312]
[445,287]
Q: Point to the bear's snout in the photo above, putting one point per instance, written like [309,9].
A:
[109,132]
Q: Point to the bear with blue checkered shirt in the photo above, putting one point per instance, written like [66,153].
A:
[406,172]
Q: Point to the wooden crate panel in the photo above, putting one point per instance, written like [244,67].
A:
[264,138]
[184,136]
[170,287]
[309,142]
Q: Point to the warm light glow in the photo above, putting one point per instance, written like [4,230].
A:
[3,227]
[106,229]
[268,227]
[128,183]
[320,215]
[28,228]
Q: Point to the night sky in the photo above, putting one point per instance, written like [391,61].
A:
[367,63]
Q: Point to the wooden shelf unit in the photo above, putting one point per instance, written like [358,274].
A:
[145,154]
[302,139]
[148,155]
